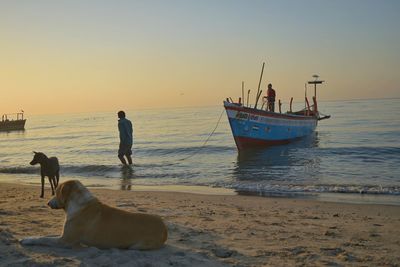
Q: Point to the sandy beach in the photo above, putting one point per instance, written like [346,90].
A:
[212,230]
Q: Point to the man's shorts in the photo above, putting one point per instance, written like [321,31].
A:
[125,150]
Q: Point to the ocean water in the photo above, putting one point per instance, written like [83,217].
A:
[354,155]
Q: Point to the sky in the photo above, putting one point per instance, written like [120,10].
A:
[72,56]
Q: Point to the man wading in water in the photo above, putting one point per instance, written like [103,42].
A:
[125,138]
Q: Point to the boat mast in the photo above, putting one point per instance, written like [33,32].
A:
[315,82]
[259,84]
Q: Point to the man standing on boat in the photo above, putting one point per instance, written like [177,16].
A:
[271,98]
[125,137]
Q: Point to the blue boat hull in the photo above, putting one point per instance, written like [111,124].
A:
[255,128]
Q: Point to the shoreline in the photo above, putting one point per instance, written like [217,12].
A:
[213,230]
[126,185]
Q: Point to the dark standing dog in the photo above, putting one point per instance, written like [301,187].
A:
[48,167]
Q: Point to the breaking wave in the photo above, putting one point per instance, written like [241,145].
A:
[269,189]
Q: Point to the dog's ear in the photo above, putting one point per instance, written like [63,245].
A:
[34,152]
[65,191]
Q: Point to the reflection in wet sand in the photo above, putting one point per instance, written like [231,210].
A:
[127,174]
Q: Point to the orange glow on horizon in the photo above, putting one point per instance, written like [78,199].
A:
[139,55]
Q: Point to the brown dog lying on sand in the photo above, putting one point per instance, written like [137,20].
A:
[92,223]
[48,167]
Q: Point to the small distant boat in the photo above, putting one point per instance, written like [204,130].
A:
[12,122]
[256,127]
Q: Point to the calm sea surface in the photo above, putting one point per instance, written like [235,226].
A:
[354,156]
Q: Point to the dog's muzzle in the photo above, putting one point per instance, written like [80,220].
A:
[53,203]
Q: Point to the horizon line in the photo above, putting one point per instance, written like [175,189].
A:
[201,106]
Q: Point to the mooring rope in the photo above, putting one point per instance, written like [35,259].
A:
[208,138]
[203,145]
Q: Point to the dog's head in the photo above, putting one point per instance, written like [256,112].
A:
[38,157]
[71,191]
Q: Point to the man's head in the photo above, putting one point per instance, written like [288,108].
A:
[269,86]
[121,114]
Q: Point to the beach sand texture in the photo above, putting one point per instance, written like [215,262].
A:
[212,230]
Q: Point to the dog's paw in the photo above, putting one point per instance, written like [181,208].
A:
[29,241]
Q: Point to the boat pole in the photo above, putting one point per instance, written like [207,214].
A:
[305,96]
[291,101]
[248,96]
[315,90]
[243,92]
[259,84]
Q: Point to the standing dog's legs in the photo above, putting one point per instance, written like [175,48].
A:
[42,194]
[57,178]
[52,183]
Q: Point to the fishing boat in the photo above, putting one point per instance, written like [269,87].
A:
[12,122]
[257,127]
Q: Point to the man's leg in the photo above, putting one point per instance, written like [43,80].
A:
[128,154]
[121,153]
[122,159]
[129,159]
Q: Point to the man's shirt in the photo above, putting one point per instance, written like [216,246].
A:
[125,131]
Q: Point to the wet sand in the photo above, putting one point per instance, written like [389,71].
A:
[212,230]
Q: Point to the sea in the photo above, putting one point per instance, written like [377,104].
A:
[353,157]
